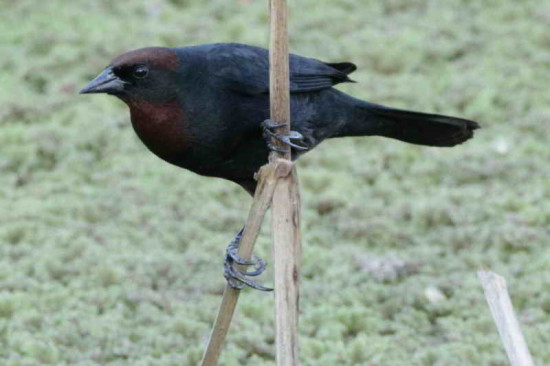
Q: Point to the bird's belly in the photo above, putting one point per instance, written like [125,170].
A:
[162,127]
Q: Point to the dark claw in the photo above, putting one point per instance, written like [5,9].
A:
[232,282]
[269,125]
[260,268]
[293,136]
[233,249]
[238,279]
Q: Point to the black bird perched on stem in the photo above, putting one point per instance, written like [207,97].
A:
[205,108]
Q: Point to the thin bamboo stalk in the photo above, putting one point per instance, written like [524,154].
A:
[267,180]
[286,199]
[277,185]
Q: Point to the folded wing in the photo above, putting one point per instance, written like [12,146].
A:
[245,69]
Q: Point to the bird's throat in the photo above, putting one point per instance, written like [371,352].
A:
[161,126]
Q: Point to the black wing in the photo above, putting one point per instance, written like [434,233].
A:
[246,69]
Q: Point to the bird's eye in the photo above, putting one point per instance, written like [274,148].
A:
[140,72]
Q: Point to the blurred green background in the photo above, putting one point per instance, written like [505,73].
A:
[109,256]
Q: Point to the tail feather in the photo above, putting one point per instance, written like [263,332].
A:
[424,128]
[413,127]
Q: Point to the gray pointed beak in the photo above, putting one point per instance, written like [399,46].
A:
[106,82]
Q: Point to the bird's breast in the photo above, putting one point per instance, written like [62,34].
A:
[161,126]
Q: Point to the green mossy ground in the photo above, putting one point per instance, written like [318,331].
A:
[109,256]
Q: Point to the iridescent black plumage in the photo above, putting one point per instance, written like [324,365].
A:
[201,107]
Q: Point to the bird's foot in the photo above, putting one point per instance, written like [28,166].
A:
[239,279]
[269,126]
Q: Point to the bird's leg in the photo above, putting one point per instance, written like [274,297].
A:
[269,126]
[236,278]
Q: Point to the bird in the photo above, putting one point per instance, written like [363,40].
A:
[205,108]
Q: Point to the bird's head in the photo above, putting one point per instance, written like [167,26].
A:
[146,74]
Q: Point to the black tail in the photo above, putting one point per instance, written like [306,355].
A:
[413,127]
